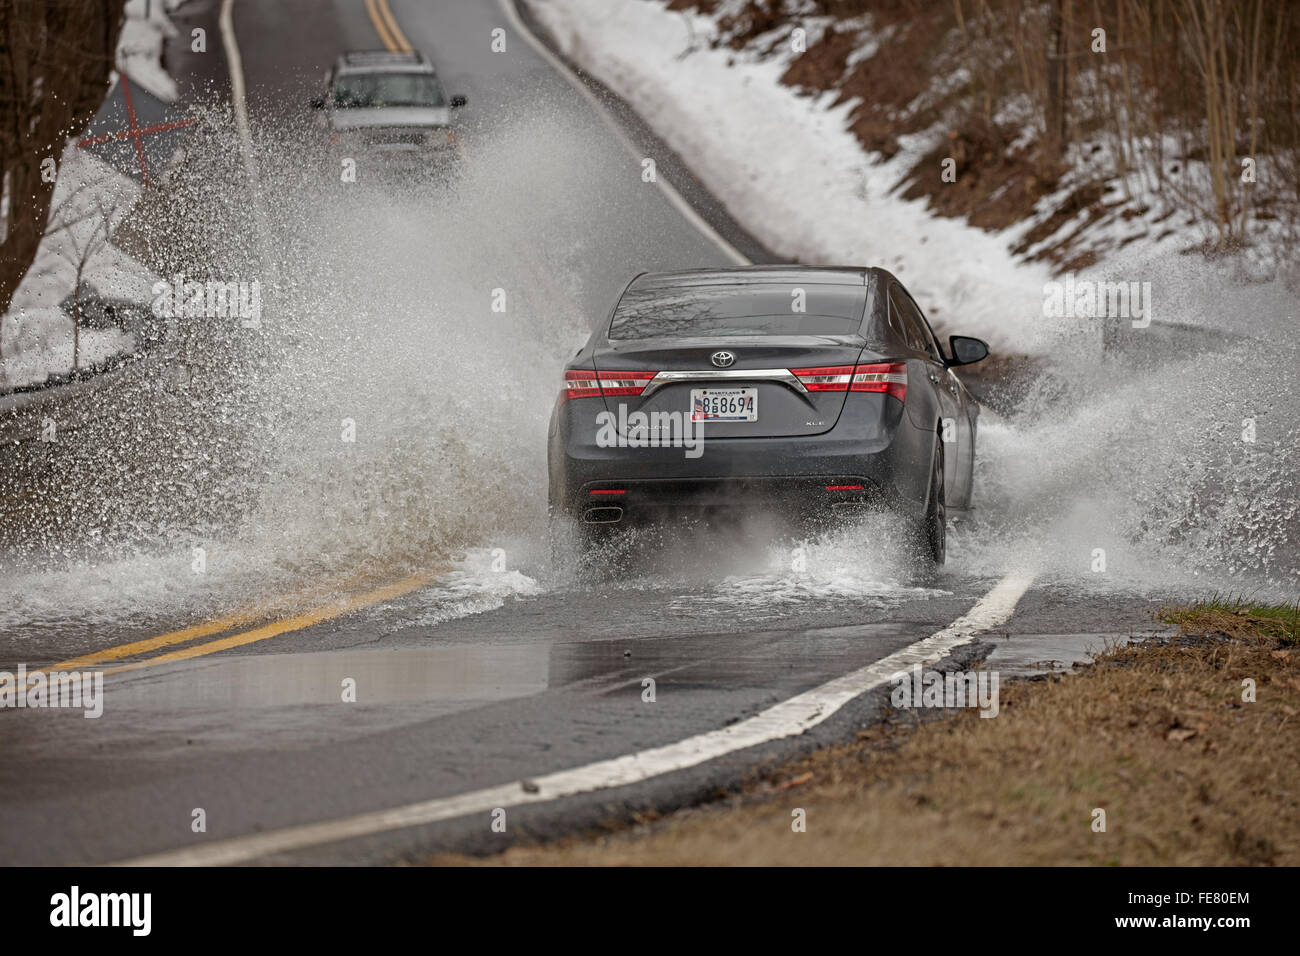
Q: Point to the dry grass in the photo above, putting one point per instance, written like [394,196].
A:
[1158,737]
[1238,618]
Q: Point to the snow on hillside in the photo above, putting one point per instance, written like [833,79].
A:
[788,168]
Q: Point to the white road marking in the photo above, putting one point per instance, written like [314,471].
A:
[786,719]
[239,104]
[670,192]
[237,87]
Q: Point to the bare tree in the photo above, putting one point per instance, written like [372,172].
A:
[81,249]
[1055,138]
[55,60]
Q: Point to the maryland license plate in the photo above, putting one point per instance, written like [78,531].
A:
[724,404]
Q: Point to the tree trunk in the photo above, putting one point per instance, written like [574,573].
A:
[76,326]
[55,61]
[1056,50]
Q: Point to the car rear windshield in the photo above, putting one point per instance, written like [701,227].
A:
[743,309]
[380,90]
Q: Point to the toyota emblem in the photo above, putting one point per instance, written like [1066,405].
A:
[722,359]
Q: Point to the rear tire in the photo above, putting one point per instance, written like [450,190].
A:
[931,533]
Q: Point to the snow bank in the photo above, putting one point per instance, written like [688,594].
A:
[790,171]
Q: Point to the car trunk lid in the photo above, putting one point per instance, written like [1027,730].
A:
[756,377]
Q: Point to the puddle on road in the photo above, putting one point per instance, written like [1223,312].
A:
[461,676]
[458,674]
[1032,655]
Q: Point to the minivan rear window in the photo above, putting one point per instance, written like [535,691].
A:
[384,90]
[740,309]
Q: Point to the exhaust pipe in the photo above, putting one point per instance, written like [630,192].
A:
[606,515]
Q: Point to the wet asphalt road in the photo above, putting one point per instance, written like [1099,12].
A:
[259,738]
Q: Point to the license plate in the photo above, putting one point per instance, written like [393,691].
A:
[724,404]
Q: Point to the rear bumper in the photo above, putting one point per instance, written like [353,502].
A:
[378,160]
[803,496]
[872,445]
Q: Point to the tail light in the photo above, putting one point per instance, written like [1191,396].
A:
[588,384]
[579,384]
[887,377]
[829,378]
[624,383]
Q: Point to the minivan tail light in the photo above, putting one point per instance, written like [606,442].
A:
[887,377]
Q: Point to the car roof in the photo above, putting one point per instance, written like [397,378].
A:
[755,275]
[382,61]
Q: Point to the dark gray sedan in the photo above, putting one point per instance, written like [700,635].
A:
[805,390]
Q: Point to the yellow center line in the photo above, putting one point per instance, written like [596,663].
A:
[386,26]
[398,36]
[380,27]
[296,623]
[215,626]
[239,618]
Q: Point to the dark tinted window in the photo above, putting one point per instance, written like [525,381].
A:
[935,349]
[896,321]
[744,309]
[914,331]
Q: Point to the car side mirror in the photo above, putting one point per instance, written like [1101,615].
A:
[458,101]
[318,103]
[966,350]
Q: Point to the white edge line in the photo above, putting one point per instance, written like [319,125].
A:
[237,89]
[787,719]
[670,192]
[239,104]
